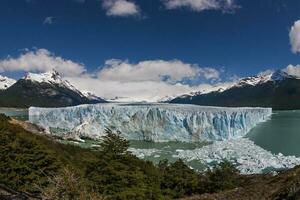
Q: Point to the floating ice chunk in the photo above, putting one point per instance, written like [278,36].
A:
[243,153]
[152,122]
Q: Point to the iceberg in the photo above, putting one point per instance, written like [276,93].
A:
[150,122]
[243,153]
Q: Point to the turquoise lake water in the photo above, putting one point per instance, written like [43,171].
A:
[280,134]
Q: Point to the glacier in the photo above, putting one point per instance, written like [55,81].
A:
[150,122]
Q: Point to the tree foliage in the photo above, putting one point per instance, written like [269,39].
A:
[114,144]
[38,164]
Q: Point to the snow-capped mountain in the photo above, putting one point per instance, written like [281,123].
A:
[44,90]
[51,77]
[278,90]
[278,75]
[6,82]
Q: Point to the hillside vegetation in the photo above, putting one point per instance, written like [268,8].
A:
[43,168]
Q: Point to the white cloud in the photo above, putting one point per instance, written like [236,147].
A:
[154,70]
[295,37]
[140,91]
[41,60]
[121,8]
[200,5]
[48,20]
[145,80]
[293,70]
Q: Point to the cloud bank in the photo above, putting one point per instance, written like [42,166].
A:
[295,37]
[154,70]
[200,5]
[148,80]
[121,8]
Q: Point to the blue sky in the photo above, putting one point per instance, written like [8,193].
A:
[235,37]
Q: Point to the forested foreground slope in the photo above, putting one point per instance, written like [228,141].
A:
[34,166]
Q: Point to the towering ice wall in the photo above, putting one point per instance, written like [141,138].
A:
[153,122]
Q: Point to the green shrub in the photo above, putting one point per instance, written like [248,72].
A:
[222,177]
[24,160]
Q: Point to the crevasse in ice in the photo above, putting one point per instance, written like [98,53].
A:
[153,122]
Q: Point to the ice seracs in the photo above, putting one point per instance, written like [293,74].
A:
[6,82]
[151,122]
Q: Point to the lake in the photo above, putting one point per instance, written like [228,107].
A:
[280,134]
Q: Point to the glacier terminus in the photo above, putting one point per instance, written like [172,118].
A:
[150,122]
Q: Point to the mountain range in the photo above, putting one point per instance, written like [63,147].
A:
[43,90]
[278,90]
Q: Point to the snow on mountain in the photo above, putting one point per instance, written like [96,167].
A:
[91,96]
[216,88]
[253,80]
[6,82]
[278,75]
[52,77]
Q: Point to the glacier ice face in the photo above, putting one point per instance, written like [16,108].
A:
[152,122]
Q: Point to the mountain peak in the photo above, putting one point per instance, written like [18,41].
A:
[278,75]
[51,77]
